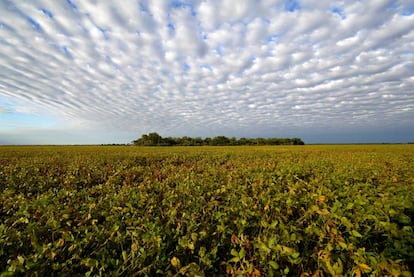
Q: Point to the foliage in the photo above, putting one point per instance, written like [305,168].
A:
[215,211]
[154,139]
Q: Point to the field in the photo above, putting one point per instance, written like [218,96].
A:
[213,211]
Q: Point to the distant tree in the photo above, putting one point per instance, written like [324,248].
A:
[297,141]
[154,139]
[260,141]
[243,141]
[187,141]
[198,141]
[273,141]
[168,141]
[220,141]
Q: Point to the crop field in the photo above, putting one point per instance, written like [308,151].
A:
[332,210]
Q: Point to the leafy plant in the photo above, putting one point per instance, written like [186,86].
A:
[237,211]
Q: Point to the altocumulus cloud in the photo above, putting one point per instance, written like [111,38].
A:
[107,71]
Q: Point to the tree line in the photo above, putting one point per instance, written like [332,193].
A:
[154,139]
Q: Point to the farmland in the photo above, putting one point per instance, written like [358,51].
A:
[241,210]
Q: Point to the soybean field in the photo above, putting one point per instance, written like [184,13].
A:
[314,210]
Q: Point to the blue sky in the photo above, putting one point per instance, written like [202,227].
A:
[85,72]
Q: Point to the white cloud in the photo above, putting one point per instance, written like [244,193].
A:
[203,67]
[186,37]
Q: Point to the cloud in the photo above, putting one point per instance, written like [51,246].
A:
[209,67]
[185,40]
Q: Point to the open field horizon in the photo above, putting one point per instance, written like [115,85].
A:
[311,210]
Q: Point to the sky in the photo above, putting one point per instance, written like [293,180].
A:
[92,72]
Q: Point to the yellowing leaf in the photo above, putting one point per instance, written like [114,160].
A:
[322,198]
[273,264]
[342,244]
[357,272]
[356,234]
[234,252]
[316,274]
[242,253]
[364,267]
[134,247]
[295,255]
[324,255]
[323,212]
[20,259]
[175,262]
[89,262]
[287,250]
[255,273]
[60,242]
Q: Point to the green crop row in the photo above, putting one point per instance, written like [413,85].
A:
[207,211]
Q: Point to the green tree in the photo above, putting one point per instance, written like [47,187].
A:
[220,140]
[152,139]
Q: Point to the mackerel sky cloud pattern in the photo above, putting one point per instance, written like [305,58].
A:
[108,71]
